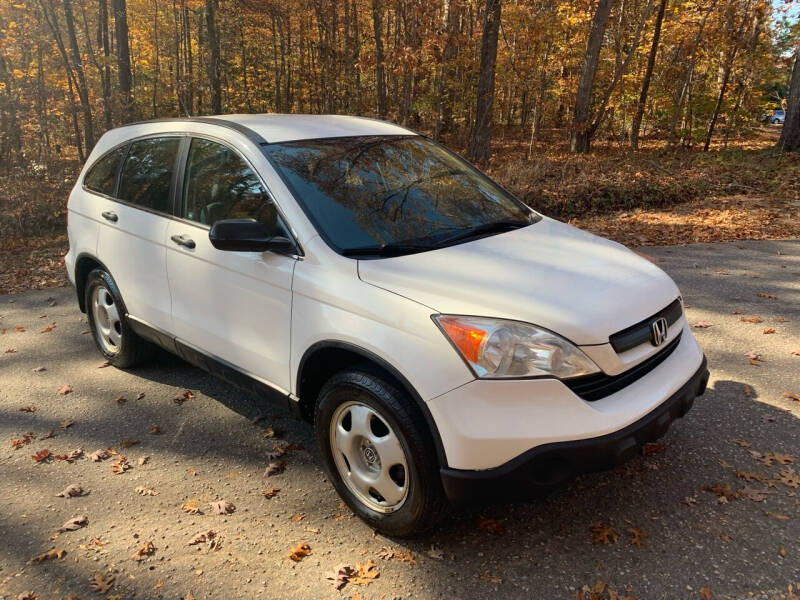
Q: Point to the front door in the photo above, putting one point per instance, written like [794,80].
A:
[231,305]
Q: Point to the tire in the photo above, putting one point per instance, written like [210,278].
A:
[114,338]
[361,392]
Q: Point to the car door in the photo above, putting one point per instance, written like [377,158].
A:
[234,306]
[133,228]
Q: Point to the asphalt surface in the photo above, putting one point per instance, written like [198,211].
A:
[212,447]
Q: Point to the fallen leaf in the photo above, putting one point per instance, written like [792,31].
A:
[143,460]
[275,468]
[768,296]
[98,455]
[41,456]
[488,576]
[222,507]
[702,325]
[128,443]
[71,491]
[298,517]
[39,369]
[28,409]
[706,594]
[49,434]
[145,491]
[724,492]
[689,501]
[742,443]
[755,319]
[71,456]
[749,476]
[147,549]
[792,396]
[603,535]
[192,506]
[155,430]
[65,389]
[11,351]
[49,328]
[270,432]
[770,457]
[120,466]
[186,395]
[104,364]
[202,537]
[341,576]
[20,328]
[26,439]
[749,493]
[74,524]
[100,583]
[436,553]
[365,574]
[66,423]
[782,552]
[121,400]
[491,526]
[779,516]
[270,493]
[790,478]
[769,330]
[389,553]
[652,448]
[140,395]
[53,554]
[638,536]
[300,551]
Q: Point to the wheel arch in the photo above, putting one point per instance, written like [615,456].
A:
[85,264]
[324,359]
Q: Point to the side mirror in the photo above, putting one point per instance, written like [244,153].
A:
[248,235]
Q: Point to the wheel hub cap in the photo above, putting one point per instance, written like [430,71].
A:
[369,457]
[107,320]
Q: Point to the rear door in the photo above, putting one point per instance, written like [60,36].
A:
[133,228]
[234,306]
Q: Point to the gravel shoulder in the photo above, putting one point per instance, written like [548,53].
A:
[215,445]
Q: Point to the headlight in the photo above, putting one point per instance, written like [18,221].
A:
[496,348]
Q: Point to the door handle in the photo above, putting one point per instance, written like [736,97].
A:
[110,216]
[183,240]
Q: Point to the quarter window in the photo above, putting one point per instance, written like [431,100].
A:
[147,173]
[102,177]
[221,185]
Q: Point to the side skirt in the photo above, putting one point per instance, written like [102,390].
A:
[215,366]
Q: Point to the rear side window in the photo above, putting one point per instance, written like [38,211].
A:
[221,185]
[102,177]
[147,173]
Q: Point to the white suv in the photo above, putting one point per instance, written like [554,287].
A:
[448,343]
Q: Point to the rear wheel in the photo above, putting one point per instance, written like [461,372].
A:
[377,451]
[109,323]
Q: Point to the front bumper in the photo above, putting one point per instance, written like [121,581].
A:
[544,467]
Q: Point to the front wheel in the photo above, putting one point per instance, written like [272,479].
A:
[376,450]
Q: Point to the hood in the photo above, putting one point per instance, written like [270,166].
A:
[576,284]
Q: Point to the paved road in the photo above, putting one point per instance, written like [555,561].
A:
[210,448]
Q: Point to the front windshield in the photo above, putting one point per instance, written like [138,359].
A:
[382,191]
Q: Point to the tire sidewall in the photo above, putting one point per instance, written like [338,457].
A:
[98,278]
[344,388]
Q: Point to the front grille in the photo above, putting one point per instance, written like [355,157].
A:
[640,333]
[595,387]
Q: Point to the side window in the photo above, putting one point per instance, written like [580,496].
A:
[147,173]
[220,185]
[102,177]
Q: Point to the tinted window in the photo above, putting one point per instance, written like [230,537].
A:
[102,177]
[373,191]
[220,185]
[147,173]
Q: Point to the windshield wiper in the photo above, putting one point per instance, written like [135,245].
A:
[479,230]
[388,249]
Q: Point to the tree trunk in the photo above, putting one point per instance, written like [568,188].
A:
[689,73]
[480,146]
[83,90]
[123,57]
[790,136]
[213,58]
[580,134]
[648,74]
[105,72]
[380,75]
